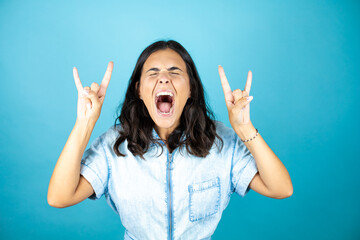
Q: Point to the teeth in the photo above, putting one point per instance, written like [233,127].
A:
[164,93]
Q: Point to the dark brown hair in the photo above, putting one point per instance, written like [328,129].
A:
[196,122]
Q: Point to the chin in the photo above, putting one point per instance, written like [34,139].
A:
[165,122]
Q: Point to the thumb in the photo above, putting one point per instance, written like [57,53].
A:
[245,93]
[243,102]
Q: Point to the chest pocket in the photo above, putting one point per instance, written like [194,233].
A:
[204,199]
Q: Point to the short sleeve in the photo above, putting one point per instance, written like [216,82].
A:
[243,167]
[94,167]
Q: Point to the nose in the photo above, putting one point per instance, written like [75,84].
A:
[164,81]
[164,78]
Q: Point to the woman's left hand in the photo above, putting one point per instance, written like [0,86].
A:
[237,101]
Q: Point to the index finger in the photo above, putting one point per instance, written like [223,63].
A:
[106,79]
[229,98]
[77,79]
[248,82]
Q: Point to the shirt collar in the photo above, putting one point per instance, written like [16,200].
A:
[155,135]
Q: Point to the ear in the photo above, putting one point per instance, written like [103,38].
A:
[137,89]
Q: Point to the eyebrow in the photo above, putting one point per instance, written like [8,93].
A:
[169,69]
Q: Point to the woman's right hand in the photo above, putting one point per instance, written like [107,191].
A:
[90,99]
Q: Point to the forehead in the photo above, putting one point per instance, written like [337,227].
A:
[164,58]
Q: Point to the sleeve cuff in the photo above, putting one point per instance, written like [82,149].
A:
[94,180]
[242,185]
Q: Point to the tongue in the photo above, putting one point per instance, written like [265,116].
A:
[164,107]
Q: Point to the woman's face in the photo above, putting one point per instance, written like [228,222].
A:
[164,88]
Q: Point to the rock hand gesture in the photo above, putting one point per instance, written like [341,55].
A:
[272,179]
[90,99]
[237,101]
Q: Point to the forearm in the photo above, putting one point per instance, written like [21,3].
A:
[66,174]
[271,170]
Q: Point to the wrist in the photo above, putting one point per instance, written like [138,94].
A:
[245,131]
[85,125]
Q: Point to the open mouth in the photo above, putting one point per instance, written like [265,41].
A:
[164,102]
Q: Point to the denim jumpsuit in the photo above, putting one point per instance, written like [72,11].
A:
[168,195]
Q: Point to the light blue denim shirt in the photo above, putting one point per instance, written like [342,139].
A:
[169,195]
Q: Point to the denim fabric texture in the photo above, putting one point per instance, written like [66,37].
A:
[168,195]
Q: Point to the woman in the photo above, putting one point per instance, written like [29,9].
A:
[168,169]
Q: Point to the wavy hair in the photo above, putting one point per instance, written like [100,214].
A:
[197,123]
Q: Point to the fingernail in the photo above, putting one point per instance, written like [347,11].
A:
[88,105]
[249,98]
[86,92]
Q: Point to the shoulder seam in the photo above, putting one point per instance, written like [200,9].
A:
[232,159]
[108,163]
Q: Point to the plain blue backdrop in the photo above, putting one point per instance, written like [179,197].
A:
[304,56]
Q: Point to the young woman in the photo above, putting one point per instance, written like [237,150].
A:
[167,169]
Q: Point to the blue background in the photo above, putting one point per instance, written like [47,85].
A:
[305,61]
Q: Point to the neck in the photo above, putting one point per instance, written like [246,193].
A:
[163,132]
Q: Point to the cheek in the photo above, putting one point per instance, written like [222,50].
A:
[145,90]
[183,97]
[183,86]
[147,99]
